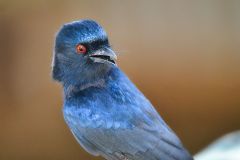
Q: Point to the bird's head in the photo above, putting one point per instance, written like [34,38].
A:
[82,53]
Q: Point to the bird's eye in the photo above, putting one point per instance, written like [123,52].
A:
[81,49]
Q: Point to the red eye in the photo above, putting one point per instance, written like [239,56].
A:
[81,49]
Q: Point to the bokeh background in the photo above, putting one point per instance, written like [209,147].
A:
[183,55]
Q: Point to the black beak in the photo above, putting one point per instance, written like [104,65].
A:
[104,55]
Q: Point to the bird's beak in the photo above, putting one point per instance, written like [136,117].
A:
[104,55]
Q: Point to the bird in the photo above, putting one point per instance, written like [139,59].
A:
[105,111]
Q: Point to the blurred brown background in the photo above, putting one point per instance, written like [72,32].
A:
[184,56]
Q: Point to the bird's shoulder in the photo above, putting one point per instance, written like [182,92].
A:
[117,105]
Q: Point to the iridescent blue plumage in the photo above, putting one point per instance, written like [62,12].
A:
[105,111]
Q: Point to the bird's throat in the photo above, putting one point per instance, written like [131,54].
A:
[73,89]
